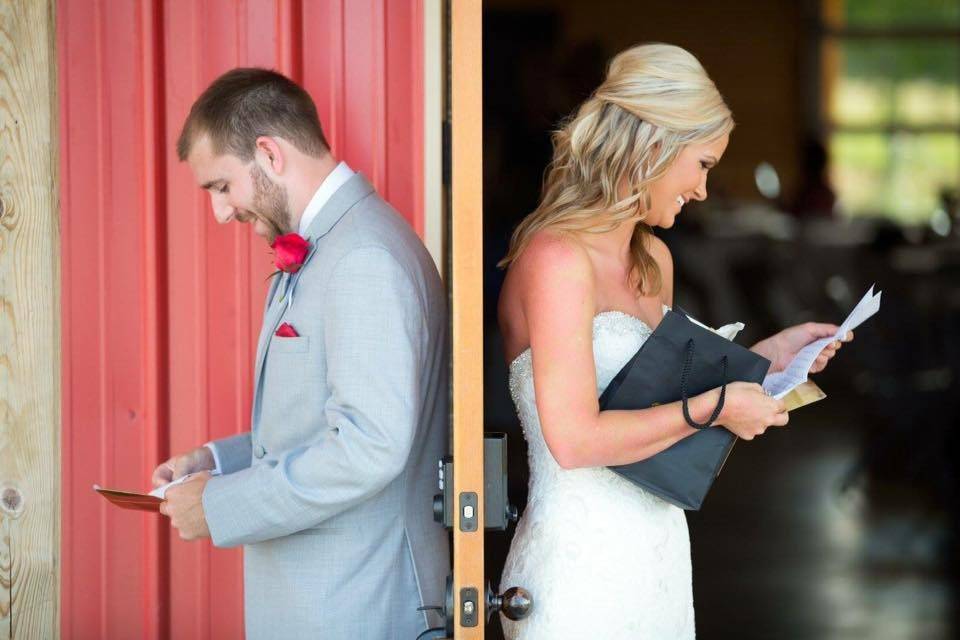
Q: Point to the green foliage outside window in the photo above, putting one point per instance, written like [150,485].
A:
[901,13]
[895,109]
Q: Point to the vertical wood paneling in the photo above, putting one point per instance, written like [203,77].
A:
[324,65]
[30,411]
[156,373]
[184,34]
[290,41]
[403,104]
[106,426]
[82,579]
[363,65]
[122,323]
[360,83]
[162,306]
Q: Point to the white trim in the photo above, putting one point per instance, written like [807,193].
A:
[433,129]
[217,469]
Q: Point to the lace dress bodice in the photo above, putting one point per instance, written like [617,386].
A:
[602,557]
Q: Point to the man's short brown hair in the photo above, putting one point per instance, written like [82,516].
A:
[246,103]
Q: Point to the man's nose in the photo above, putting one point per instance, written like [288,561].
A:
[223,212]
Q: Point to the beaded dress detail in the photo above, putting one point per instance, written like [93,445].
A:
[601,557]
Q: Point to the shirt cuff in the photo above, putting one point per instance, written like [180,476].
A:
[216,458]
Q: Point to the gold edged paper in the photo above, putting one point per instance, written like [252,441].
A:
[806,393]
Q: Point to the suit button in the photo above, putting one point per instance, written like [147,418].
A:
[259,451]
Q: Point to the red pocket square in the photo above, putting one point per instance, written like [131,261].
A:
[286,330]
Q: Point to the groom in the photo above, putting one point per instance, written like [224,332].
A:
[329,491]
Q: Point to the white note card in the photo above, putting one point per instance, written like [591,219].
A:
[783,382]
[161,491]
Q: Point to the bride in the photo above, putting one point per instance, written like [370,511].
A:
[587,284]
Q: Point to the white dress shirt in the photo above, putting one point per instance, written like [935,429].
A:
[324,192]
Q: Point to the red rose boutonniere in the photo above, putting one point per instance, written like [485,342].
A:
[289,251]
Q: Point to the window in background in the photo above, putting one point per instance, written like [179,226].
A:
[891,105]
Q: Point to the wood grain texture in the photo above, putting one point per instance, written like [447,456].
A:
[467,288]
[29,324]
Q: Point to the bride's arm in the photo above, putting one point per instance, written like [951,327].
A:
[558,301]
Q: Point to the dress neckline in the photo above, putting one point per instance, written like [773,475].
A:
[611,312]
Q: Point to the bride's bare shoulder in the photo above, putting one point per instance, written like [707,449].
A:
[551,255]
[553,269]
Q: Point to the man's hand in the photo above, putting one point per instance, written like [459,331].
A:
[781,348]
[199,459]
[184,506]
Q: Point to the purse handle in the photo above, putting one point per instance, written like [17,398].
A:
[687,364]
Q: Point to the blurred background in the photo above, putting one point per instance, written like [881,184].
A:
[843,171]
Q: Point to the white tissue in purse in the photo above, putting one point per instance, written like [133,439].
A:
[728,331]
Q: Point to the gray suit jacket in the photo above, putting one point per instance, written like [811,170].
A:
[331,490]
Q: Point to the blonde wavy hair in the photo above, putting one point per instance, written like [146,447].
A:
[656,99]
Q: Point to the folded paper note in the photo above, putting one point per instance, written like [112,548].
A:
[783,382]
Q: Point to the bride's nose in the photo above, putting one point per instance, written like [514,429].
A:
[700,193]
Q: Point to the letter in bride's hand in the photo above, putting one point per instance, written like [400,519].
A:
[781,383]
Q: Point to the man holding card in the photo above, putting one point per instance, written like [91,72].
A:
[329,491]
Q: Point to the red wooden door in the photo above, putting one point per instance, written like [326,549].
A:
[161,306]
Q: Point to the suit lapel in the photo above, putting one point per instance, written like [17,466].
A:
[352,191]
[270,317]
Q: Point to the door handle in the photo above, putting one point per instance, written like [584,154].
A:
[515,603]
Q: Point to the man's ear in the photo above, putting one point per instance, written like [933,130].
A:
[269,156]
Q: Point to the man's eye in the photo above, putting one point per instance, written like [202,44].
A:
[224,189]
[703,165]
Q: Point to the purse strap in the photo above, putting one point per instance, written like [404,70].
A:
[687,365]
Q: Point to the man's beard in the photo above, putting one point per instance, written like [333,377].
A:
[270,203]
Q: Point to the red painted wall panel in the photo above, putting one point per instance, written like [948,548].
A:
[161,306]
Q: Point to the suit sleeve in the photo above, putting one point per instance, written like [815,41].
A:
[374,343]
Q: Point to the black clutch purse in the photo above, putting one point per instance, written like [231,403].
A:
[680,360]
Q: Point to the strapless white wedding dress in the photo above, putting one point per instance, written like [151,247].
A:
[601,557]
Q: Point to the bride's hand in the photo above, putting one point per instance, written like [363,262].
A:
[781,348]
[748,411]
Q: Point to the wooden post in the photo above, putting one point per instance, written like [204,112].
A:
[29,323]
[467,287]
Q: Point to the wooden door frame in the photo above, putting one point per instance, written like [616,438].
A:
[466,274]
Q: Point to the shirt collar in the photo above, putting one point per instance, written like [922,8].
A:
[324,192]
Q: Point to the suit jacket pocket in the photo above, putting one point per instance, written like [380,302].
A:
[299,344]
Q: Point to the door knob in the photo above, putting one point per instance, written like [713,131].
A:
[515,603]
